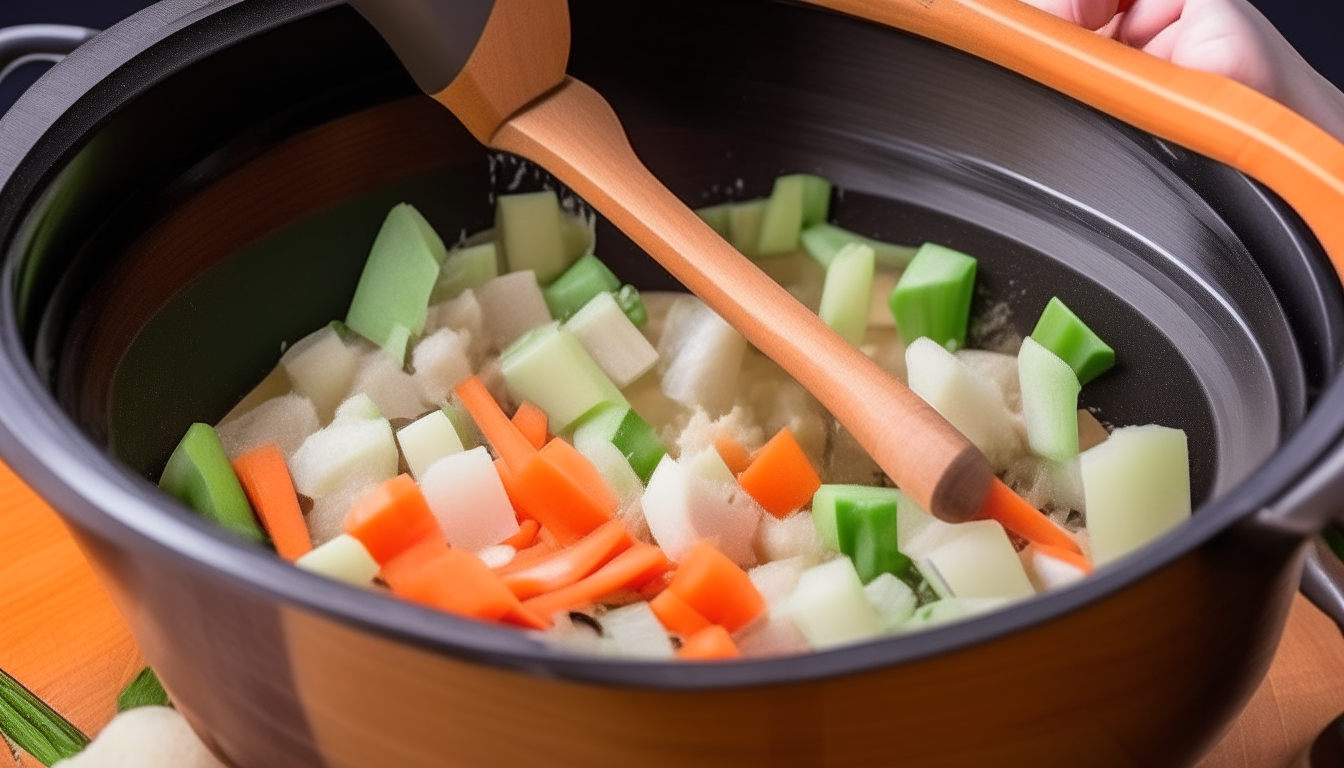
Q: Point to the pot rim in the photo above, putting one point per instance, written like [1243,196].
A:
[105,499]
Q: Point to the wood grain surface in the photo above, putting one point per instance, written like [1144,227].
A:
[61,636]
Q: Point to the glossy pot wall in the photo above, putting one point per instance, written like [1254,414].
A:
[200,185]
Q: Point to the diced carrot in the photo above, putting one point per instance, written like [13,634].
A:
[266,481]
[571,564]
[714,587]
[584,472]
[527,533]
[712,642]
[676,616]
[563,504]
[780,477]
[628,570]
[508,442]
[1015,514]
[457,582]
[412,559]
[531,421]
[391,517]
[733,453]
[1076,559]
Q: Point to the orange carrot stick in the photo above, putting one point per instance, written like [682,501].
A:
[780,477]
[628,570]
[714,587]
[453,581]
[266,481]
[391,517]
[567,459]
[733,453]
[1015,514]
[527,533]
[531,421]
[565,506]
[571,564]
[710,643]
[1076,559]
[676,616]
[508,442]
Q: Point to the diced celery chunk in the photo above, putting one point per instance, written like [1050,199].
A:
[614,342]
[1060,331]
[716,216]
[550,367]
[577,286]
[1137,485]
[933,297]
[847,294]
[632,305]
[530,230]
[343,558]
[783,220]
[628,431]
[579,235]
[426,440]
[979,561]
[393,292]
[894,600]
[199,475]
[1049,401]
[744,225]
[465,268]
[860,521]
[823,241]
[816,200]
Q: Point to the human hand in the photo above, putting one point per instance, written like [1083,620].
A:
[1226,37]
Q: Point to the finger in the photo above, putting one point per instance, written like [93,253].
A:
[1091,14]
[1163,44]
[1147,19]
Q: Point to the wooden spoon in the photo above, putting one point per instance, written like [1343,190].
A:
[512,93]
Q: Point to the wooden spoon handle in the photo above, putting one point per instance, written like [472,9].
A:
[575,135]
[1212,115]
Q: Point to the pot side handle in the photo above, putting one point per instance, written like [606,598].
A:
[28,43]
[1209,114]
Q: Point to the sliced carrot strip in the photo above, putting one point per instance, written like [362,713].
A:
[266,481]
[412,559]
[567,459]
[713,586]
[780,477]
[1014,513]
[554,498]
[571,564]
[508,442]
[457,582]
[628,570]
[733,453]
[391,517]
[527,533]
[712,642]
[676,616]
[531,421]
[1076,559]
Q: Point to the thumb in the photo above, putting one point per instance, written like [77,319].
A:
[1091,14]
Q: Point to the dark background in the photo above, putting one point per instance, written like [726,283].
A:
[1314,26]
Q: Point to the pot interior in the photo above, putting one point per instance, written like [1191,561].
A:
[227,209]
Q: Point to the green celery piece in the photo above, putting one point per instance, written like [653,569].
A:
[783,220]
[634,437]
[466,268]
[530,230]
[816,200]
[1049,401]
[578,235]
[1060,331]
[847,294]
[199,475]
[462,424]
[393,293]
[144,691]
[860,521]
[343,331]
[933,297]
[823,241]
[632,305]
[550,367]
[744,225]
[577,286]
[35,727]
[717,217]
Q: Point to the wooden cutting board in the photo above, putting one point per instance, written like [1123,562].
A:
[61,636]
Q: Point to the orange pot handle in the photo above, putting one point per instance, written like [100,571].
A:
[1212,115]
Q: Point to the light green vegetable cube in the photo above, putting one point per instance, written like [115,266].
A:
[530,230]
[933,297]
[550,367]
[845,298]
[1137,486]
[1049,401]
[343,558]
[1060,331]
[199,475]
[393,292]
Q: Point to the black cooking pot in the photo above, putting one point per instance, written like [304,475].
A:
[200,185]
